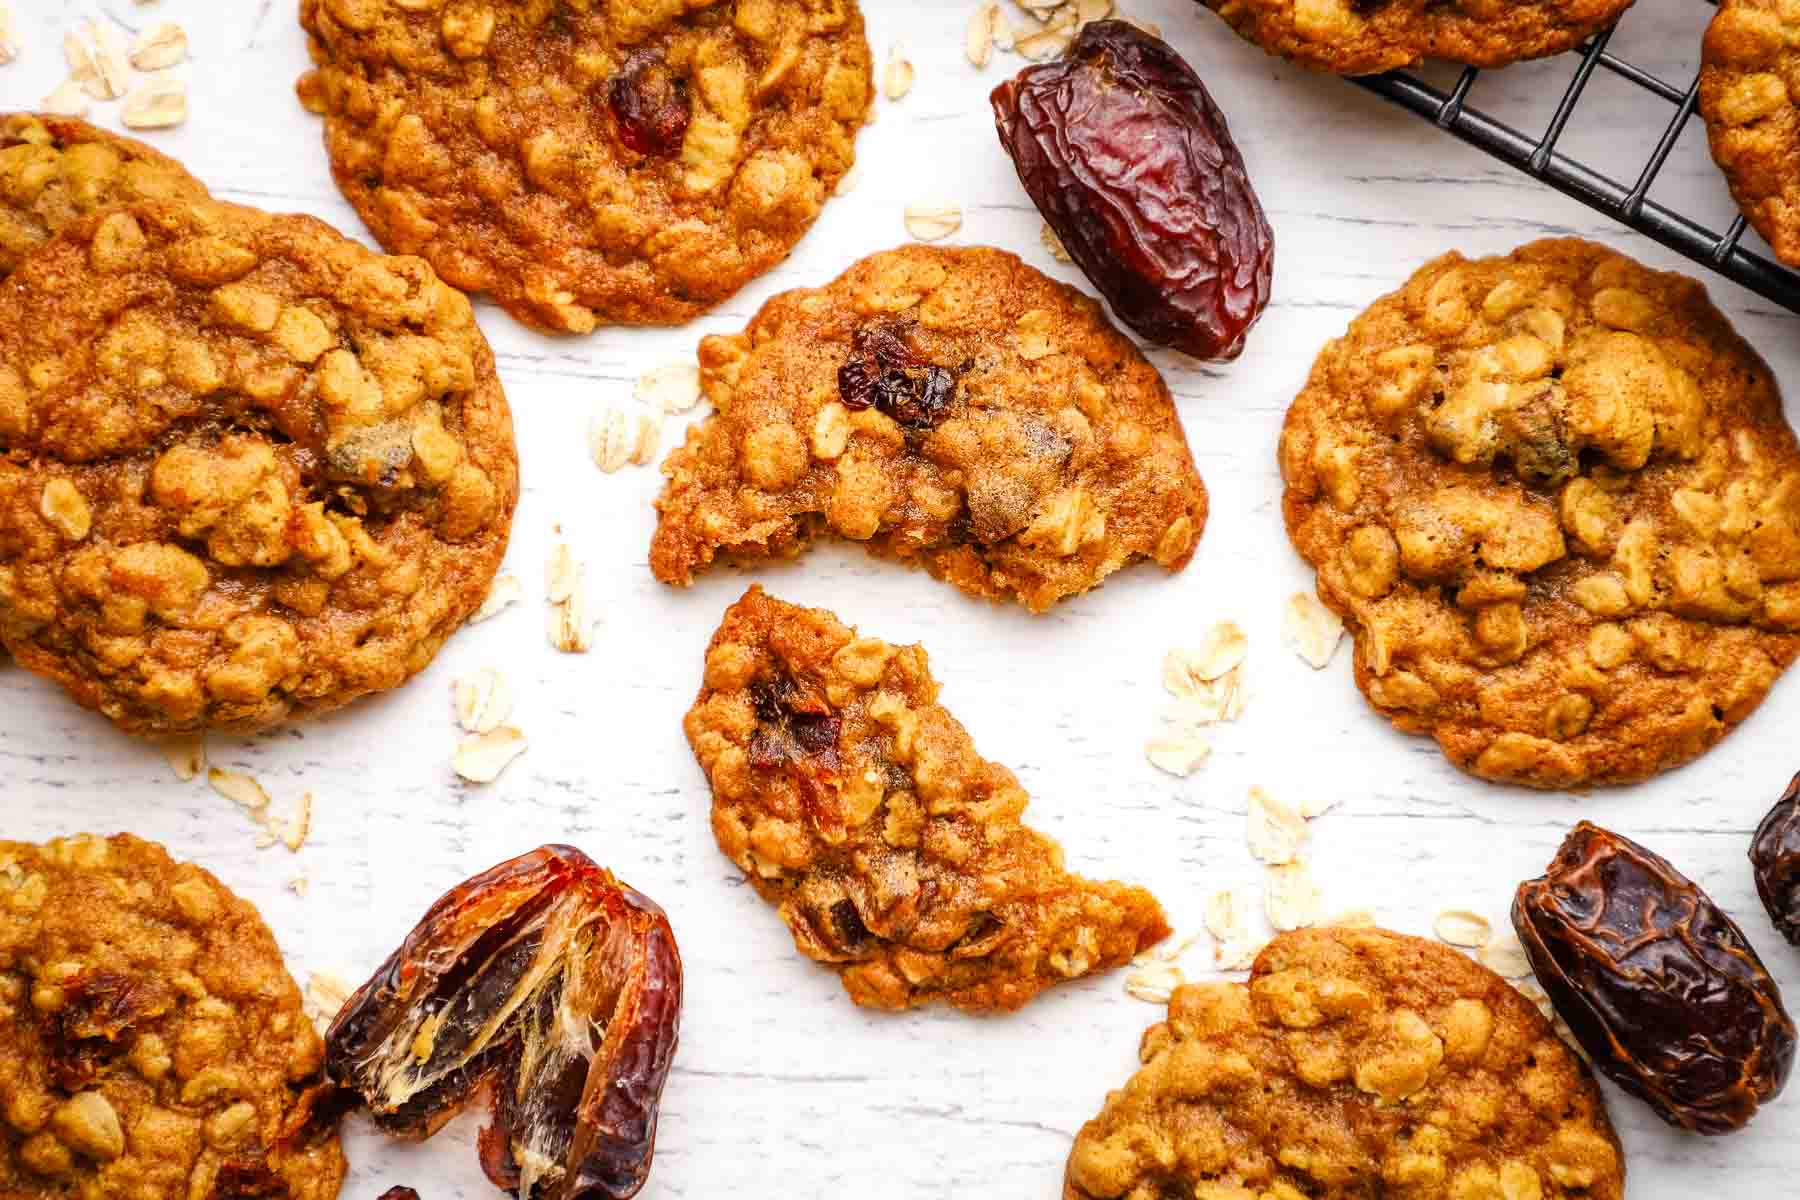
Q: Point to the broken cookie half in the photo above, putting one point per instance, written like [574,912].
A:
[858,806]
[951,408]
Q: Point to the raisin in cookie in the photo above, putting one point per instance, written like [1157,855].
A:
[857,805]
[251,469]
[951,408]
[1367,37]
[1749,61]
[627,163]
[1355,1063]
[56,169]
[152,1043]
[1555,499]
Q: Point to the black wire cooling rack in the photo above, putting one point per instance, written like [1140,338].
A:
[1628,203]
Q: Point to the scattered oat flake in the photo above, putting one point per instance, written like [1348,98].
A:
[67,100]
[1155,983]
[1355,918]
[1311,629]
[569,626]
[300,885]
[159,47]
[238,788]
[186,756]
[1041,9]
[1186,668]
[326,992]
[620,434]
[930,222]
[483,700]
[104,72]
[978,36]
[561,573]
[1089,11]
[897,75]
[480,757]
[1239,955]
[1179,753]
[1171,949]
[294,832]
[1460,927]
[1291,898]
[503,591]
[78,55]
[671,389]
[1049,41]
[1505,957]
[9,35]
[847,181]
[264,840]
[1227,914]
[159,104]
[1053,244]
[1314,806]
[1274,830]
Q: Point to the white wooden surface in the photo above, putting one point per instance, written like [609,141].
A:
[782,1087]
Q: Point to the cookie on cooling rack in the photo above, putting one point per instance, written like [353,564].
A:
[1749,60]
[1556,501]
[56,169]
[858,806]
[1355,1062]
[1367,37]
[250,470]
[151,1041]
[951,408]
[621,163]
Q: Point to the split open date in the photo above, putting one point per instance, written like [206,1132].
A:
[553,984]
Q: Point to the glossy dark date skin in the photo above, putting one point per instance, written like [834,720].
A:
[1131,163]
[1775,859]
[584,977]
[1658,985]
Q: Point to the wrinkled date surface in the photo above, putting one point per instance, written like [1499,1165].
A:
[651,108]
[399,1193]
[1657,984]
[1775,858]
[1130,161]
[552,981]
[883,372]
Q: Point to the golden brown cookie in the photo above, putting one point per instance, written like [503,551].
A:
[1555,499]
[951,408]
[152,1043]
[621,163]
[56,169]
[251,469]
[1367,37]
[1355,1063]
[857,805]
[1749,61]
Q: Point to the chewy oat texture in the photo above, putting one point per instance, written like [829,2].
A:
[589,162]
[950,408]
[857,805]
[152,1044]
[251,470]
[54,170]
[1555,498]
[1366,37]
[1750,97]
[1355,1063]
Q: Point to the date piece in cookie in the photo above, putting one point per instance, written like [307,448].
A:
[620,163]
[251,469]
[56,169]
[951,408]
[1367,37]
[1555,499]
[1749,61]
[857,805]
[152,1043]
[1355,1063]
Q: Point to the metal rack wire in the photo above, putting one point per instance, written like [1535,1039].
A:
[1627,203]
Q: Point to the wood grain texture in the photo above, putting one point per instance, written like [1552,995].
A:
[782,1088]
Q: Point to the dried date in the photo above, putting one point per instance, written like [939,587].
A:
[1775,859]
[1658,985]
[1132,165]
[400,1193]
[650,107]
[549,981]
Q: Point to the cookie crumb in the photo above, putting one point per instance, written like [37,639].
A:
[1311,629]
[480,757]
[931,222]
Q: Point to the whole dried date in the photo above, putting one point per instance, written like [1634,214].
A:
[1657,984]
[1131,163]
[553,982]
[1775,859]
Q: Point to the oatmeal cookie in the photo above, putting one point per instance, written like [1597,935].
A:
[1355,1063]
[56,169]
[152,1045]
[857,805]
[1367,37]
[951,408]
[1555,499]
[1750,98]
[251,469]
[628,162]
